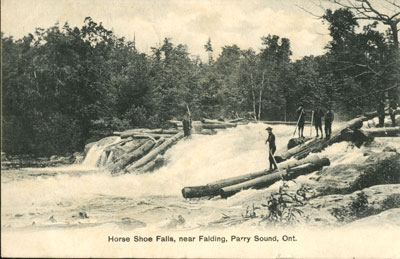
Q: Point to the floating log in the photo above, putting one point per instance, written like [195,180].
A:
[128,158]
[267,180]
[131,132]
[213,189]
[156,151]
[236,120]
[208,121]
[214,126]
[370,115]
[381,132]
[283,122]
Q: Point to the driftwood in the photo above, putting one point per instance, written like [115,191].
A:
[381,132]
[153,153]
[213,189]
[128,158]
[265,181]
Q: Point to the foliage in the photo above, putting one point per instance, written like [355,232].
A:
[282,207]
[64,86]
[357,209]
[386,171]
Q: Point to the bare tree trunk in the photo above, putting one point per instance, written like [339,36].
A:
[253,96]
[261,90]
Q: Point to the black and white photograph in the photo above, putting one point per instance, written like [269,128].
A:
[200,129]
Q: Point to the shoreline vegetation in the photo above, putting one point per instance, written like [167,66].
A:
[64,87]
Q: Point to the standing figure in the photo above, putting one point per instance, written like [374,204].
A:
[318,114]
[272,149]
[392,108]
[328,123]
[301,115]
[187,125]
[381,113]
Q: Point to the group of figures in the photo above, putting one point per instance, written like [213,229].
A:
[317,116]
[382,113]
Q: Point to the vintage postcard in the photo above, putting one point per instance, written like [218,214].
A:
[200,129]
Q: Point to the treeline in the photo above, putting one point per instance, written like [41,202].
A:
[64,86]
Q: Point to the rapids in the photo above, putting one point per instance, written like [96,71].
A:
[63,196]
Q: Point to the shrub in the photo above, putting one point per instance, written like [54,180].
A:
[386,171]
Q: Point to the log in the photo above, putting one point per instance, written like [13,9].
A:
[152,165]
[153,153]
[147,135]
[132,145]
[381,132]
[293,142]
[217,126]
[130,157]
[268,180]
[213,189]
[236,120]
[208,121]
[283,122]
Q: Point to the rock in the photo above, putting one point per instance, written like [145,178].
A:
[319,211]
[389,149]
[296,141]
[83,215]
[129,223]
[337,179]
[52,219]
[389,217]
[54,158]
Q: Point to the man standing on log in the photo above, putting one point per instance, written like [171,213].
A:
[187,125]
[392,108]
[272,149]
[301,115]
[328,123]
[318,114]
[381,113]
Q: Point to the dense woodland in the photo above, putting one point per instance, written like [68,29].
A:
[65,86]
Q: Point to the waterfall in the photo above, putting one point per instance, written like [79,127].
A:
[96,156]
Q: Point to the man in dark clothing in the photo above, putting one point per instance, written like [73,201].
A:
[187,125]
[381,113]
[301,115]
[392,108]
[272,149]
[328,123]
[318,114]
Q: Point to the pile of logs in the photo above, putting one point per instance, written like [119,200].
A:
[138,150]
[257,180]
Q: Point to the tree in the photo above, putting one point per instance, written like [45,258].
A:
[209,51]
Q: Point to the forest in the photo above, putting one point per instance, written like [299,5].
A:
[64,86]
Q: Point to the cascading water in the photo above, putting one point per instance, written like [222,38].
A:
[96,156]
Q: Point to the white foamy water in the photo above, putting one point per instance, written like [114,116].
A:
[34,195]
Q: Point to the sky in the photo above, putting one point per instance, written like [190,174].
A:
[189,22]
